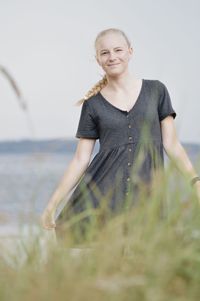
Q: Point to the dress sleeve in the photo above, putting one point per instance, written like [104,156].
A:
[87,126]
[165,105]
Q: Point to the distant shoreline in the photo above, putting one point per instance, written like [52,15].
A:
[57,145]
[38,146]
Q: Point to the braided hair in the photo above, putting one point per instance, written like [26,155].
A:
[94,90]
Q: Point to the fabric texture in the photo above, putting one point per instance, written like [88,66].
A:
[131,147]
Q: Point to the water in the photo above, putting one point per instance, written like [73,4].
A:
[26,184]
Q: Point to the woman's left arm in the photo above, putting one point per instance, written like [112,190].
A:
[176,151]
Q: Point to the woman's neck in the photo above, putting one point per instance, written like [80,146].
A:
[121,83]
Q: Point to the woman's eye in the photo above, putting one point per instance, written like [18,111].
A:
[107,52]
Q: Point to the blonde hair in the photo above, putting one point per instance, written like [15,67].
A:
[103,82]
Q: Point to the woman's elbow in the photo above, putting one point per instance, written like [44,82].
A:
[172,147]
[81,159]
[84,151]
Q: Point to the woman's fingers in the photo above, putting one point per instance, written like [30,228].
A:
[47,221]
[49,227]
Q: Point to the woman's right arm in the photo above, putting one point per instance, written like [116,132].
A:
[72,175]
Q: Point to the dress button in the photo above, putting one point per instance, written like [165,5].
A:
[128,179]
[129,126]
[129,149]
[129,163]
[127,193]
[127,115]
[130,138]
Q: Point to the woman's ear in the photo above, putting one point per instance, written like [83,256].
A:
[131,50]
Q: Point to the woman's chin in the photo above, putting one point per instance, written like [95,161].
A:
[114,71]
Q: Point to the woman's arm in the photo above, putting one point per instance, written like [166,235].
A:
[176,151]
[72,175]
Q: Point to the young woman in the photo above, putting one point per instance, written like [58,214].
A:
[130,117]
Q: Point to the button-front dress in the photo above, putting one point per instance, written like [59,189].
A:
[131,148]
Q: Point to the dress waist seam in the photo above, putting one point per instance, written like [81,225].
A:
[104,148]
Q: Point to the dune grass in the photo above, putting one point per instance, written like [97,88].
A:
[150,251]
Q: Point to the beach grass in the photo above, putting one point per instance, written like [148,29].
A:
[149,251]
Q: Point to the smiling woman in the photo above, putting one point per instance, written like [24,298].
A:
[134,122]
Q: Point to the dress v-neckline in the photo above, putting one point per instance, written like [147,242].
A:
[137,100]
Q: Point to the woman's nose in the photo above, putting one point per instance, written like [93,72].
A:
[112,56]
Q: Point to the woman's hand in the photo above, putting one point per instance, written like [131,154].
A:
[47,219]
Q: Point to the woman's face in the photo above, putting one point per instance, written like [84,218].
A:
[113,53]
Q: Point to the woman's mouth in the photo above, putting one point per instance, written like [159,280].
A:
[113,65]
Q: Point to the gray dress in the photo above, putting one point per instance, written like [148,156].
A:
[130,150]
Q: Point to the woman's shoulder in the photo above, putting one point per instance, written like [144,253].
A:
[156,84]
[93,104]
[93,100]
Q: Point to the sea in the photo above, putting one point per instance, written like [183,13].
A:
[29,174]
[30,171]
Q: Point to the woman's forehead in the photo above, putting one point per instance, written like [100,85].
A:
[111,40]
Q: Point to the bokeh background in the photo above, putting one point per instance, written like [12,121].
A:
[48,47]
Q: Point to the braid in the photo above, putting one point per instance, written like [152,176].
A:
[94,90]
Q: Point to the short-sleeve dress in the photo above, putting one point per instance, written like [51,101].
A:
[131,148]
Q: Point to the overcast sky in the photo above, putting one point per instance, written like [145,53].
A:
[48,47]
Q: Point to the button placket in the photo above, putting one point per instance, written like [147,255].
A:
[130,139]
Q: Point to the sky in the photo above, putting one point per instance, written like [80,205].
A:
[48,47]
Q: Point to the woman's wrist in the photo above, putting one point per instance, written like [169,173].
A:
[50,210]
[194,180]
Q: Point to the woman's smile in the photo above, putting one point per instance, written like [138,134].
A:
[112,65]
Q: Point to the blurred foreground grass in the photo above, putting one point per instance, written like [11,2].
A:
[150,251]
